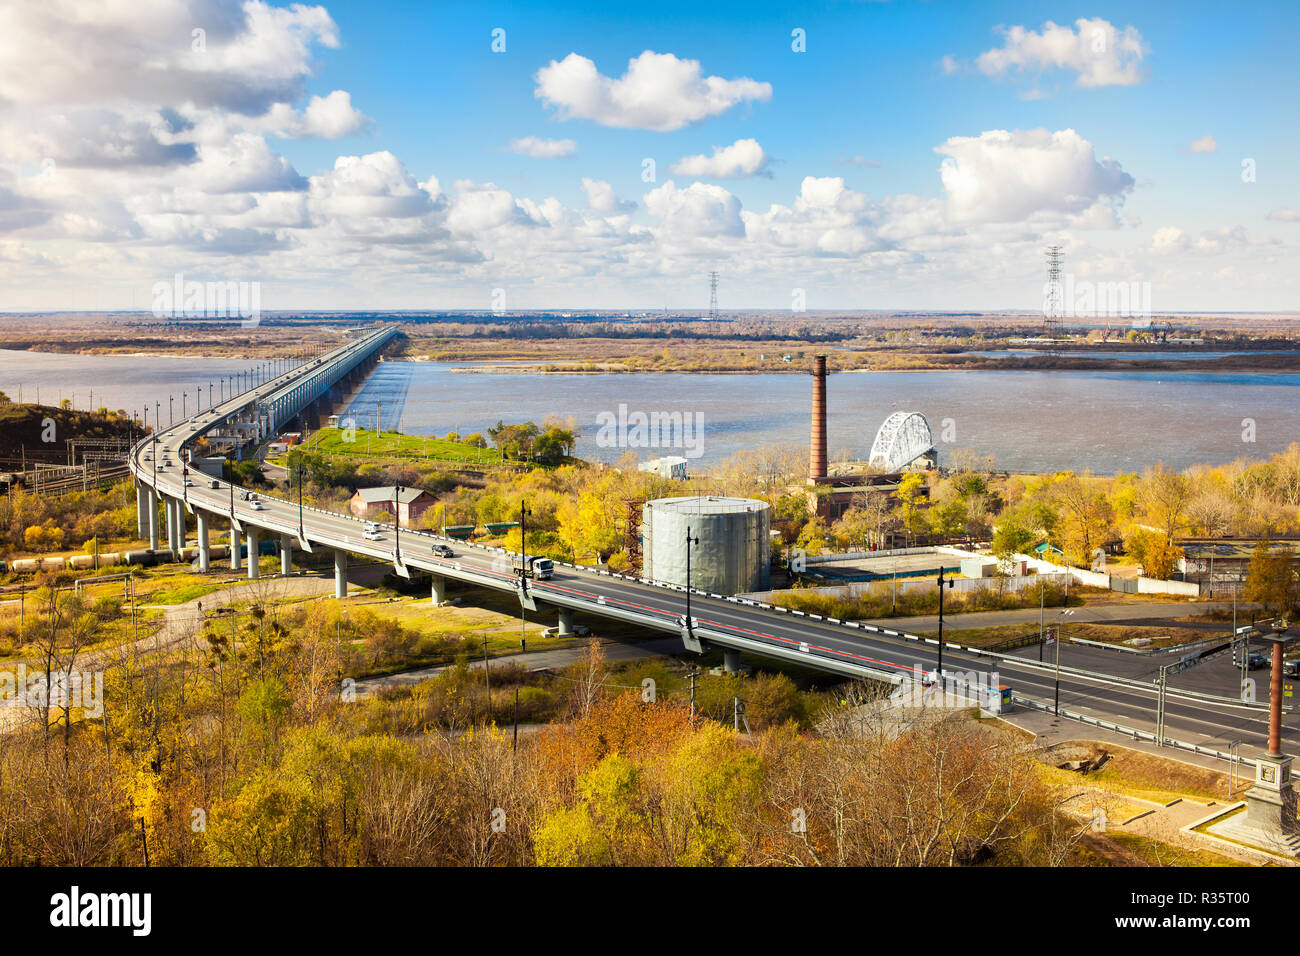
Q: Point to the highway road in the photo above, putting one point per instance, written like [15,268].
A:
[1118,687]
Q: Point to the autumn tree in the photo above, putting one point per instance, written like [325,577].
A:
[1271,579]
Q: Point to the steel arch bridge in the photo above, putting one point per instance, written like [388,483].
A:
[903,438]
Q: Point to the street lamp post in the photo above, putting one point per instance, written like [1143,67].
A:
[171,409]
[397,522]
[524,512]
[300,528]
[1042,596]
[1060,633]
[690,542]
[943,581]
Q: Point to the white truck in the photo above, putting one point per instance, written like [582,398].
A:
[536,567]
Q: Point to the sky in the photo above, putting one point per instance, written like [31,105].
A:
[836,155]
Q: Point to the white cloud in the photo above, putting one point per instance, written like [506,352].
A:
[481,207]
[252,55]
[1205,144]
[658,92]
[1099,53]
[601,197]
[375,186]
[1002,176]
[543,148]
[332,117]
[696,211]
[742,158]
[1285,215]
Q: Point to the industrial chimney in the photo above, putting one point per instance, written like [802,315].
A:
[817,446]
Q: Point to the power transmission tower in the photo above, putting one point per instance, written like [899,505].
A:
[713,296]
[1053,301]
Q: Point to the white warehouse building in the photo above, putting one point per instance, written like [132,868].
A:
[732,556]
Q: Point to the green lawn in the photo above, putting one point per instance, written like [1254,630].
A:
[365,443]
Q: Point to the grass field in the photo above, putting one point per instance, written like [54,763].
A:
[365,443]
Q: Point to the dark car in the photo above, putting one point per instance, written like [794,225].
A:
[1255,661]
[442,551]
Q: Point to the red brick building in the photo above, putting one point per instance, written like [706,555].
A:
[369,502]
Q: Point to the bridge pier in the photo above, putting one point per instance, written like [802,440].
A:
[235,544]
[169,520]
[152,495]
[180,525]
[731,661]
[286,555]
[252,553]
[141,506]
[175,536]
[340,573]
[439,590]
[205,555]
[566,623]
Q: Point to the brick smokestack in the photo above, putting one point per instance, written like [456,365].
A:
[817,446]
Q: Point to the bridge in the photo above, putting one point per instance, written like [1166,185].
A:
[1092,683]
[902,439]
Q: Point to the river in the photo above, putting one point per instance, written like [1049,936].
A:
[1104,421]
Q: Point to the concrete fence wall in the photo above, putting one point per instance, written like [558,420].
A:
[959,586]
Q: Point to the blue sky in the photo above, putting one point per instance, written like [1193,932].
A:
[1128,153]
[870,84]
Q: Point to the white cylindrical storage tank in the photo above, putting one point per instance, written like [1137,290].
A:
[733,554]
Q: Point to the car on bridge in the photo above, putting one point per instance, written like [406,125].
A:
[443,551]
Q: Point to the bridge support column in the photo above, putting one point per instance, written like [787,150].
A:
[731,661]
[141,513]
[179,507]
[236,543]
[152,497]
[252,553]
[439,590]
[169,516]
[205,556]
[286,555]
[340,574]
[566,623]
